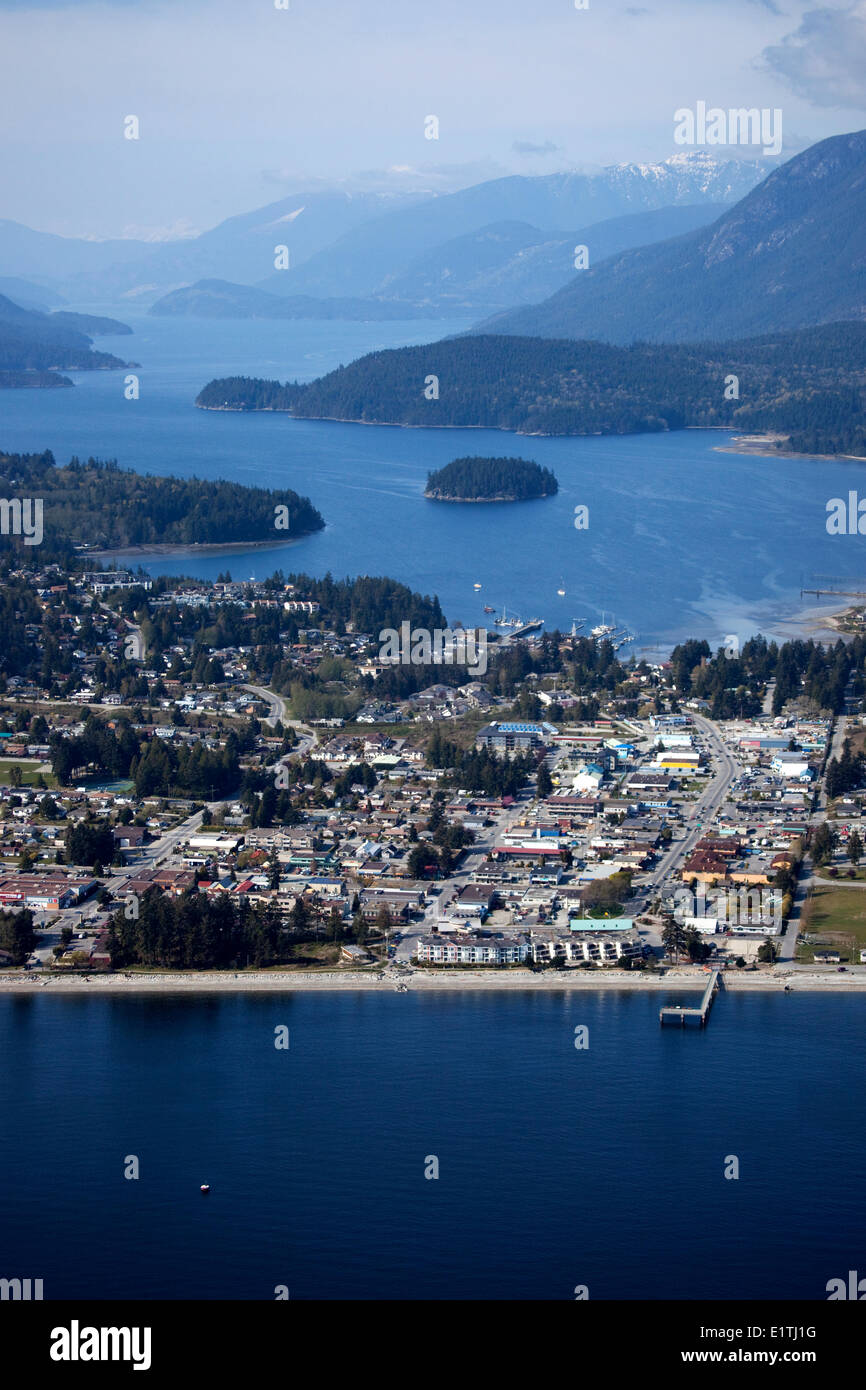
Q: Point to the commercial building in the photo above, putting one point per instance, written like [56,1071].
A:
[682,760]
[514,738]
[45,892]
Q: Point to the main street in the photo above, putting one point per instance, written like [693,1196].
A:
[701,814]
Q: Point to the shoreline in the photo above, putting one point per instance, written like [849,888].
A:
[764,446]
[758,445]
[196,547]
[441,497]
[286,982]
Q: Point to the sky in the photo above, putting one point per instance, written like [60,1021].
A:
[240,103]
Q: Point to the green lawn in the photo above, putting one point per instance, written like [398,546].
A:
[838,918]
[29,772]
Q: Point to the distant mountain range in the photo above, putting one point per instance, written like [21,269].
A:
[368,260]
[791,253]
[42,345]
[29,295]
[496,266]
[510,263]
[350,245]
[240,248]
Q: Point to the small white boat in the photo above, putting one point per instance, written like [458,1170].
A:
[476,586]
[205,1187]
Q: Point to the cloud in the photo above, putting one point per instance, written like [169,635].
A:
[527,147]
[825,59]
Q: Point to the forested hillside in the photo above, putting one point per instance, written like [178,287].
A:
[809,386]
[98,504]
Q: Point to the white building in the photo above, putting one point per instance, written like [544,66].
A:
[471,950]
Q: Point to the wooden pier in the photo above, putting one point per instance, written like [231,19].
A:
[680,1013]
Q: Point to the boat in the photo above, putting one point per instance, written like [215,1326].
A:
[476,586]
[488,609]
[603,629]
[561,589]
[504,621]
[205,1187]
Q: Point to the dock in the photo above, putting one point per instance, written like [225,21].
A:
[534,625]
[680,1013]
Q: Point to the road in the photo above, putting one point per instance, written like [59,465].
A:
[788,944]
[704,809]
[485,839]
[115,882]
[702,812]
[279,707]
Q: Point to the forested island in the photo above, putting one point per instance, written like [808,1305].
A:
[808,386]
[476,479]
[220,299]
[246,393]
[97,505]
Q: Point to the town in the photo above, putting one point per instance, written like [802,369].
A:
[357,817]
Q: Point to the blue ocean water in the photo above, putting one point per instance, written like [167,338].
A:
[683,540]
[557,1167]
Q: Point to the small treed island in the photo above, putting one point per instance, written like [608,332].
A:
[477,479]
[807,387]
[94,504]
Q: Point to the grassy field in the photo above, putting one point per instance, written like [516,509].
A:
[29,772]
[312,953]
[836,917]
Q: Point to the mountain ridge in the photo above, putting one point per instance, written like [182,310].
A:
[790,254]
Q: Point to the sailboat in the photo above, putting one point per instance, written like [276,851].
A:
[561,589]
[603,629]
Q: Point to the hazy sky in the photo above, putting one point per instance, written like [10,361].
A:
[240,103]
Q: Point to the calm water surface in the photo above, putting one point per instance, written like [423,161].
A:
[683,539]
[558,1167]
